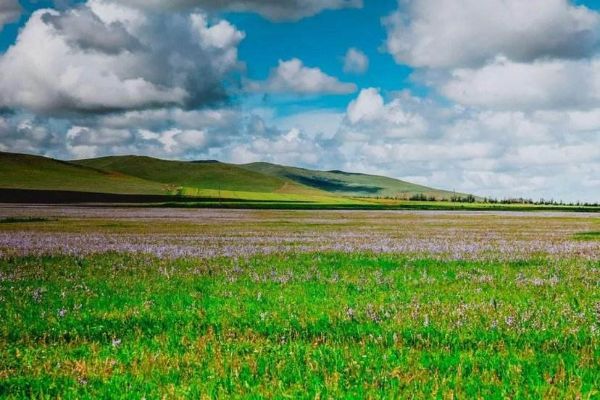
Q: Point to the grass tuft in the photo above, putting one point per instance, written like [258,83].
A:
[588,235]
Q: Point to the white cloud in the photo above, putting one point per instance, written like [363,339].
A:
[294,77]
[355,61]
[280,147]
[367,106]
[501,55]
[86,142]
[504,84]
[495,153]
[83,136]
[276,10]
[166,133]
[393,119]
[467,33]
[215,118]
[129,60]
[10,11]
[316,124]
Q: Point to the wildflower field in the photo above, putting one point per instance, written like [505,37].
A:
[182,303]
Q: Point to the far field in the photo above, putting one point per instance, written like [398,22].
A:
[179,303]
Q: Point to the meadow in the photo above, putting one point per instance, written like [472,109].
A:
[199,303]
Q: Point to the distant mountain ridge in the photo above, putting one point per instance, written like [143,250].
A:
[151,176]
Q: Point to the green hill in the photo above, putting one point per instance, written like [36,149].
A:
[21,171]
[138,175]
[347,184]
[207,175]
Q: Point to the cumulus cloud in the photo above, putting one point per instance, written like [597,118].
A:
[488,152]
[164,133]
[317,124]
[554,84]
[82,29]
[501,54]
[458,33]
[355,61]
[275,10]
[85,142]
[393,119]
[171,134]
[368,106]
[291,147]
[467,33]
[129,60]
[294,77]
[10,11]
[27,133]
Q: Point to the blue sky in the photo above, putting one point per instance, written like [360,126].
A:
[499,98]
[323,41]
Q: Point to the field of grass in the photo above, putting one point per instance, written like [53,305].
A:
[280,197]
[303,326]
[178,303]
[266,201]
[588,235]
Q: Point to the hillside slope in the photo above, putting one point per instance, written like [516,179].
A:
[138,175]
[207,175]
[22,171]
[347,184]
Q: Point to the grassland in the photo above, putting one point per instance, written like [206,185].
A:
[177,303]
[234,200]
[287,197]
[303,326]
[588,235]
[19,171]
[200,175]
[204,180]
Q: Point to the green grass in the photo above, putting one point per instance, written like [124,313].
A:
[588,235]
[291,202]
[266,198]
[19,171]
[298,326]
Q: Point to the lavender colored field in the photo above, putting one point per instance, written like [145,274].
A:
[172,233]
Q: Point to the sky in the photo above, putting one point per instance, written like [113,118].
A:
[499,98]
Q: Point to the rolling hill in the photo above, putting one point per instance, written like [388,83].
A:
[199,177]
[346,183]
[21,171]
[146,176]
